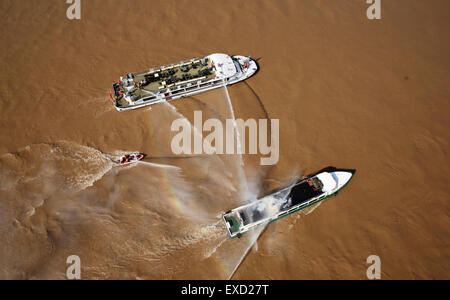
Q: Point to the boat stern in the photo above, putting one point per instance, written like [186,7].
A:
[233,222]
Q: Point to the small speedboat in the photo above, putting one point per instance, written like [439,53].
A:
[130,158]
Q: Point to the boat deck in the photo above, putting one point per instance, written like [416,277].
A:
[299,194]
[167,79]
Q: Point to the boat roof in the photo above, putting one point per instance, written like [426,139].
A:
[328,181]
[224,65]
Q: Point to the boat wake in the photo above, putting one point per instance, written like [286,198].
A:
[158,220]
[73,167]
[155,165]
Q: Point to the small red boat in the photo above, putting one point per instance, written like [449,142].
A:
[130,158]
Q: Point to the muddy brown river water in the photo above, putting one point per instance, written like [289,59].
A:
[371,95]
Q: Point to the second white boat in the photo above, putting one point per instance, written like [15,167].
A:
[304,193]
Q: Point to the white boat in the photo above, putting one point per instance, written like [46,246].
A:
[180,80]
[286,201]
